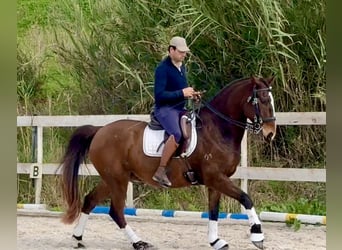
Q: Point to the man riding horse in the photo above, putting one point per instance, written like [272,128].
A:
[170,91]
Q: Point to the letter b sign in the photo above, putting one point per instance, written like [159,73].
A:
[36,171]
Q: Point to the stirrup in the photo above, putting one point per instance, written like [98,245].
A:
[190,177]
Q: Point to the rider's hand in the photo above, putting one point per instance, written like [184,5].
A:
[188,92]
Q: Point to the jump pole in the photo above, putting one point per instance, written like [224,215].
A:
[170,213]
[288,217]
[31,206]
[264,216]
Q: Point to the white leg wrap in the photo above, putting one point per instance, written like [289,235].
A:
[252,217]
[213,235]
[82,221]
[131,235]
[219,244]
[212,230]
[257,237]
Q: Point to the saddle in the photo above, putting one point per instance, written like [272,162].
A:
[186,128]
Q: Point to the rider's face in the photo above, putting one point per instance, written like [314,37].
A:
[177,55]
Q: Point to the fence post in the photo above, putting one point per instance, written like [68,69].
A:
[129,199]
[243,163]
[39,160]
[34,144]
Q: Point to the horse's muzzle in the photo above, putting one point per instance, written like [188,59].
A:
[269,131]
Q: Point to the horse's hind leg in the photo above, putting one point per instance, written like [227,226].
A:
[96,196]
[118,195]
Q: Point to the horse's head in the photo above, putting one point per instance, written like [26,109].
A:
[260,107]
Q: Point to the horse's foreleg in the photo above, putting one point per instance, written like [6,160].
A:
[214,240]
[96,196]
[116,212]
[224,185]
[257,236]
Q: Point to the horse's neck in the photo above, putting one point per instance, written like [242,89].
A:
[232,108]
[222,130]
[231,133]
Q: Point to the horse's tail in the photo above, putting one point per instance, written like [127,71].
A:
[75,154]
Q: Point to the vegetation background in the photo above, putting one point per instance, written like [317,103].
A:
[82,57]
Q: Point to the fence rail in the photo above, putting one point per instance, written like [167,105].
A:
[283,118]
[243,172]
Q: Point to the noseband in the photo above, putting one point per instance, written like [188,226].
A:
[256,125]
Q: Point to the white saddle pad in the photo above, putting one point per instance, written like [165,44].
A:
[152,139]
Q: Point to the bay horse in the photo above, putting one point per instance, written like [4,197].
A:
[116,151]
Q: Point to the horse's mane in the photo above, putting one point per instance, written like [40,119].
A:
[229,85]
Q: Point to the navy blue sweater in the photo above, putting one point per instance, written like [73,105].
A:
[168,84]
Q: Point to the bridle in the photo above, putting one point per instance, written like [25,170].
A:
[255,102]
[256,125]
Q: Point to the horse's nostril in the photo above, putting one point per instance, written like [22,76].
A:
[269,137]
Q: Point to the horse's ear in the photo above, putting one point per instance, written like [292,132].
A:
[270,80]
[254,79]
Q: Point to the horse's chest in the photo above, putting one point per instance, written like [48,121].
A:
[229,162]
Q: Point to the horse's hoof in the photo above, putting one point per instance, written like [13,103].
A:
[141,245]
[79,245]
[257,237]
[78,242]
[259,244]
[220,244]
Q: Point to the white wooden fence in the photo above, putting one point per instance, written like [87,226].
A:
[244,172]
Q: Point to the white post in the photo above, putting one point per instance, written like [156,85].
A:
[38,181]
[129,199]
[243,163]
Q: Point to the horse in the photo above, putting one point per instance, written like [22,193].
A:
[116,151]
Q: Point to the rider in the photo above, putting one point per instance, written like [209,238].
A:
[170,91]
